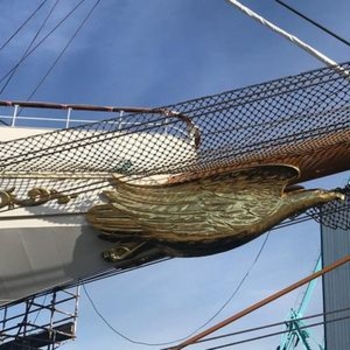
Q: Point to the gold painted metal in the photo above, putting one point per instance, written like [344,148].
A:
[206,215]
[35,196]
[122,251]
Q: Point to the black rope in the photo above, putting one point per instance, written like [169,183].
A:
[127,338]
[318,25]
[277,333]
[270,325]
[22,25]
[54,64]
[233,294]
[9,78]
[42,40]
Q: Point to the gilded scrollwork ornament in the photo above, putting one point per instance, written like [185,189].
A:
[122,251]
[35,196]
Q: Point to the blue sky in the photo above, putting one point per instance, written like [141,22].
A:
[154,53]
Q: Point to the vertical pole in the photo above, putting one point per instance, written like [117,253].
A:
[4,320]
[121,115]
[77,296]
[15,113]
[68,117]
[51,330]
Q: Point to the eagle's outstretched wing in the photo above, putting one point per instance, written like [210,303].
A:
[217,205]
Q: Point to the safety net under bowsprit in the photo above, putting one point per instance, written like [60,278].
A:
[301,120]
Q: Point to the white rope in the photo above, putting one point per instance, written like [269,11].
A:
[320,56]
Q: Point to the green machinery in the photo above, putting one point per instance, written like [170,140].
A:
[297,331]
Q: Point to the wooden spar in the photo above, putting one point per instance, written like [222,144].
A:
[261,303]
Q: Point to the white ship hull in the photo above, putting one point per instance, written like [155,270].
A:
[41,247]
[49,245]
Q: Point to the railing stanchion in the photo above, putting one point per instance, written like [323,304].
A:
[68,117]
[15,113]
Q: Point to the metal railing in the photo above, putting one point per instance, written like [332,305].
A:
[65,118]
[66,115]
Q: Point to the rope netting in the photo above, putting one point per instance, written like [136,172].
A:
[334,214]
[296,116]
[279,117]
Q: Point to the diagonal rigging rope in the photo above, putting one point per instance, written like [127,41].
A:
[133,341]
[9,78]
[54,64]
[35,47]
[22,25]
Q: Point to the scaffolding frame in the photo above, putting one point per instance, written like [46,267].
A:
[41,321]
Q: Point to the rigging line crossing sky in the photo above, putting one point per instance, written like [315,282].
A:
[22,25]
[55,62]
[295,40]
[9,78]
[318,25]
[263,302]
[214,316]
[306,327]
[156,55]
[275,324]
[41,41]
